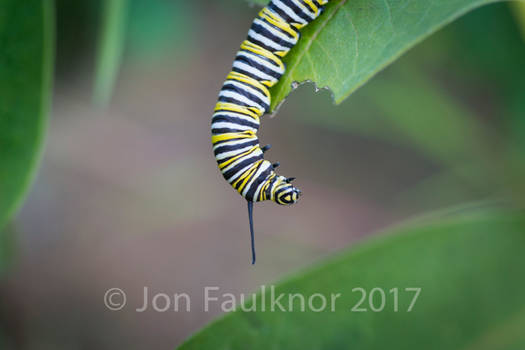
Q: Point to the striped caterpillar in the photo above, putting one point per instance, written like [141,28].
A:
[245,97]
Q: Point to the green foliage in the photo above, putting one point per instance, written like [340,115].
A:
[160,29]
[468,266]
[26,47]
[7,242]
[111,45]
[519,12]
[434,93]
[258,2]
[353,40]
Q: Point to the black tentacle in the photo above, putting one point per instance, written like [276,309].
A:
[252,235]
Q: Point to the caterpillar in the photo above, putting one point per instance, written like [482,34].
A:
[245,98]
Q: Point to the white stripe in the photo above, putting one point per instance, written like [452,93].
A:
[275,32]
[255,153]
[275,187]
[247,68]
[239,173]
[258,191]
[265,165]
[236,115]
[236,152]
[233,143]
[241,98]
[229,125]
[304,9]
[288,11]
[267,41]
[265,99]
[262,62]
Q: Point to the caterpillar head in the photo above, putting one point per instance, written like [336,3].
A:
[286,193]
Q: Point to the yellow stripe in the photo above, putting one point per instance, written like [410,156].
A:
[262,195]
[226,106]
[275,188]
[312,6]
[276,21]
[232,135]
[250,81]
[228,162]
[246,173]
[248,178]
[261,51]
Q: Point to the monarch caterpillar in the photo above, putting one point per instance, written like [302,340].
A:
[245,97]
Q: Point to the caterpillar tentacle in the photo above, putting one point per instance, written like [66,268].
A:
[245,98]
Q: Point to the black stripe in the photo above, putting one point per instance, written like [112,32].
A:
[227,175]
[238,185]
[253,87]
[226,110]
[316,3]
[297,10]
[228,148]
[281,13]
[259,67]
[309,7]
[219,131]
[266,33]
[235,120]
[249,74]
[270,187]
[272,62]
[261,44]
[224,160]
[280,30]
[282,189]
[247,57]
[230,87]
[259,180]
[234,139]
[237,102]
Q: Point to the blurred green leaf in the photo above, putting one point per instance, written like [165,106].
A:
[26,52]
[161,29]
[258,2]
[469,268]
[406,107]
[425,115]
[519,11]
[450,99]
[7,242]
[353,40]
[111,44]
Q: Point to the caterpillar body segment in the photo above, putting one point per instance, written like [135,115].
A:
[245,97]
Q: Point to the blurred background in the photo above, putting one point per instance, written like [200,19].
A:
[129,196]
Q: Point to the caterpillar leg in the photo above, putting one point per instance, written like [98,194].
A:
[266,148]
[252,235]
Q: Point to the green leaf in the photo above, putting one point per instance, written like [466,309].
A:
[160,29]
[518,9]
[354,39]
[258,2]
[26,56]
[111,44]
[469,266]
[7,245]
